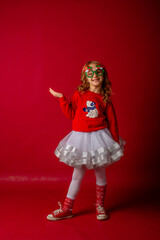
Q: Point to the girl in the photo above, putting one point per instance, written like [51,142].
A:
[94,142]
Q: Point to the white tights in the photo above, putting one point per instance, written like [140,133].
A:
[77,176]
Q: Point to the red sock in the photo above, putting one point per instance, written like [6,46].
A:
[68,204]
[100,194]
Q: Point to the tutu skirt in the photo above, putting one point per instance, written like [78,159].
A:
[92,149]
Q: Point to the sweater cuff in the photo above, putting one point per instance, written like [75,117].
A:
[62,99]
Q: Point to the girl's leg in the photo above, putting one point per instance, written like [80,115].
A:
[74,187]
[100,174]
[101,186]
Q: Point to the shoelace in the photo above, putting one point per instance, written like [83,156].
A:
[100,209]
[58,210]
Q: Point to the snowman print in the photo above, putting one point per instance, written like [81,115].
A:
[91,109]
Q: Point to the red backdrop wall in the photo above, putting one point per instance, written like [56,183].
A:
[45,44]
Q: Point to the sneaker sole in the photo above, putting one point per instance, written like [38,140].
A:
[55,219]
[102,217]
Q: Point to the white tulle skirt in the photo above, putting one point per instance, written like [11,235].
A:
[92,149]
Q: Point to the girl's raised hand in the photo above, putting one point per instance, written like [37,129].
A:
[55,94]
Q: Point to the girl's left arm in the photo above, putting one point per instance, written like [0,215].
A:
[112,121]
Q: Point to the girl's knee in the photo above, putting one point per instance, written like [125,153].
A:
[100,171]
[78,173]
[100,174]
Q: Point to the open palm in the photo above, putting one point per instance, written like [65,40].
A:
[55,94]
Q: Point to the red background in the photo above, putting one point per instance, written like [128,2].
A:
[45,44]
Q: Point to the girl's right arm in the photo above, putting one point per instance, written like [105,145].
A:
[68,107]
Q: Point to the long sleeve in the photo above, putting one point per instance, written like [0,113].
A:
[112,121]
[69,107]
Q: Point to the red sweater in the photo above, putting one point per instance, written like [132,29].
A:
[90,113]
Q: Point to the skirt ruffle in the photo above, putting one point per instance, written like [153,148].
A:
[92,149]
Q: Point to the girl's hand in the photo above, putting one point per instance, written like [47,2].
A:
[55,94]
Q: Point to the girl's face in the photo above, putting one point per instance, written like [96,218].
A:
[95,80]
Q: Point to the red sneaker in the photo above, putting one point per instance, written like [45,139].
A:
[60,214]
[101,213]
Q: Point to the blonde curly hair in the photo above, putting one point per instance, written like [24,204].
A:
[106,89]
